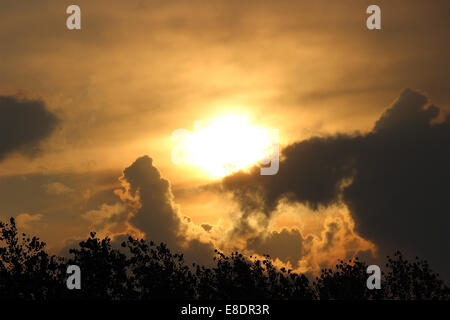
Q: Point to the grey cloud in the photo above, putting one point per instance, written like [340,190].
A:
[206,227]
[23,125]
[286,245]
[157,215]
[394,179]
[332,229]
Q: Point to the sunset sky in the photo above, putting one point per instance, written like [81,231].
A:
[87,120]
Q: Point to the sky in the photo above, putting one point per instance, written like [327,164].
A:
[87,117]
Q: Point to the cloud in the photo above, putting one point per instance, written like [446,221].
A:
[155,213]
[394,180]
[286,245]
[206,227]
[28,221]
[57,188]
[107,218]
[330,235]
[23,125]
[304,240]
[147,209]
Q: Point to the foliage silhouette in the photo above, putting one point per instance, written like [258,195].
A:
[239,277]
[157,273]
[104,270]
[26,270]
[142,270]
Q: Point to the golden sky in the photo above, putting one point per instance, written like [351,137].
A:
[138,70]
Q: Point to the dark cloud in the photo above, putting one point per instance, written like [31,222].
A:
[311,174]
[331,232]
[286,245]
[157,216]
[150,198]
[394,179]
[198,252]
[400,194]
[87,192]
[206,227]
[23,125]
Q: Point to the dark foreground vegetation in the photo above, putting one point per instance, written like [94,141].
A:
[143,270]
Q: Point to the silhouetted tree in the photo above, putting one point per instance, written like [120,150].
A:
[157,273]
[239,277]
[141,270]
[26,270]
[413,281]
[104,270]
[346,282]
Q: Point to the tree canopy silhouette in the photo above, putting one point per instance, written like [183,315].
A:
[142,270]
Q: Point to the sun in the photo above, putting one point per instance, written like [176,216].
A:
[223,145]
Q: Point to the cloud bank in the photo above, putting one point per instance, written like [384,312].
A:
[395,180]
[383,190]
[24,124]
[147,209]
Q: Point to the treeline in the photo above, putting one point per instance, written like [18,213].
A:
[150,271]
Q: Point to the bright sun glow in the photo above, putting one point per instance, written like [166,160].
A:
[223,146]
